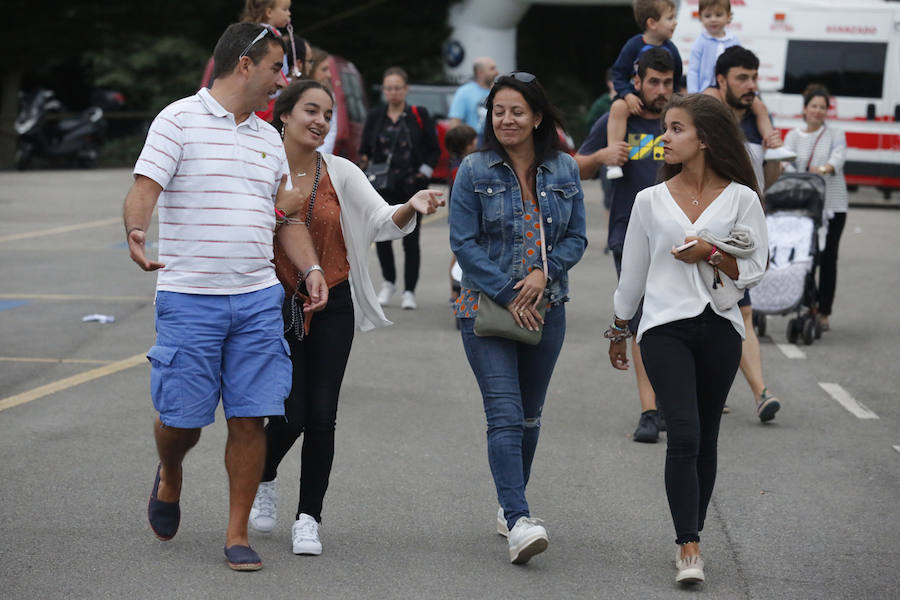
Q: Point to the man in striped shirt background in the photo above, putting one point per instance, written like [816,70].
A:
[216,172]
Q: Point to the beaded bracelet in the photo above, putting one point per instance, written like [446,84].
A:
[614,337]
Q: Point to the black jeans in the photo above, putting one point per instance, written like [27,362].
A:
[411,251]
[691,364]
[828,266]
[319,362]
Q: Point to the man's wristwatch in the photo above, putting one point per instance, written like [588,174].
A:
[311,269]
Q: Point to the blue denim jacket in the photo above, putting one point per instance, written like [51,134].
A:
[487,224]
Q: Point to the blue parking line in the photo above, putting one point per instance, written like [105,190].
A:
[7,304]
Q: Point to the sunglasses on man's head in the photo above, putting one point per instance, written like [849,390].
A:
[518,76]
[265,29]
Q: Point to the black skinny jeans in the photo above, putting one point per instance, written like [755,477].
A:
[691,364]
[412,255]
[828,266]
[319,362]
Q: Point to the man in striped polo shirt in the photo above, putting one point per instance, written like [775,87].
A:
[216,172]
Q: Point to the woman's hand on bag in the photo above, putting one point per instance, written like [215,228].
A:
[427,201]
[524,305]
[695,253]
[618,355]
[288,200]
[528,317]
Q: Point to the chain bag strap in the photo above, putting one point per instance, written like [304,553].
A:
[300,322]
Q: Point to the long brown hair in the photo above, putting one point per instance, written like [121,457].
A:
[718,129]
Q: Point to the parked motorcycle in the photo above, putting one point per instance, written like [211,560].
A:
[43,133]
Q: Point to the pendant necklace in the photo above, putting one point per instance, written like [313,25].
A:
[695,200]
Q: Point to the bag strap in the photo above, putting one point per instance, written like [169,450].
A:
[813,151]
[415,111]
[300,321]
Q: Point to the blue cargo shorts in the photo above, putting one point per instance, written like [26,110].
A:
[209,347]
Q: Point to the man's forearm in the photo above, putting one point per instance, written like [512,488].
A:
[139,204]
[298,246]
[588,164]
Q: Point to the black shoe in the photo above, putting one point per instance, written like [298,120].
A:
[648,428]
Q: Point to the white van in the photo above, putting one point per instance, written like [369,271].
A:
[850,46]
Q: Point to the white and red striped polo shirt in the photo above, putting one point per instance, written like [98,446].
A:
[216,211]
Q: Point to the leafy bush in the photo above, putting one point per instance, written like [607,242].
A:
[151,71]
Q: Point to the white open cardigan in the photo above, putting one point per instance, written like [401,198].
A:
[365,218]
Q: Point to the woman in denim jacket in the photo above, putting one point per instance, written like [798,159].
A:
[501,198]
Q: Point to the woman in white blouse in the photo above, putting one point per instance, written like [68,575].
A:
[822,149]
[691,349]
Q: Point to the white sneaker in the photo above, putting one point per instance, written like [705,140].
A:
[305,536]
[264,511]
[780,153]
[690,569]
[409,301]
[502,528]
[387,290]
[527,538]
[614,173]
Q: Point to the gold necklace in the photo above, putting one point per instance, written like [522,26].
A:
[303,174]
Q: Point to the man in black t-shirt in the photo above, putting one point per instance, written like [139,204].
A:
[640,157]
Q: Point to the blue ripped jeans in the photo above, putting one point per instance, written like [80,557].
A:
[513,378]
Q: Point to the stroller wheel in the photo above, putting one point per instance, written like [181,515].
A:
[808,331]
[817,331]
[793,331]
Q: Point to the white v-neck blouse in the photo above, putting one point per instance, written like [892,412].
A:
[672,289]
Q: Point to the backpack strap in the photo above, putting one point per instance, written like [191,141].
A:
[415,111]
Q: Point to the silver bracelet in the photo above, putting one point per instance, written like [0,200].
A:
[311,269]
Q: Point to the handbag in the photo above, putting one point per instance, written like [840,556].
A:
[494,320]
[379,173]
[289,276]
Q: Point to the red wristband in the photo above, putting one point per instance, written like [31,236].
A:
[711,252]
[280,213]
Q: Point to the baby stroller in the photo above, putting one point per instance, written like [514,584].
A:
[794,206]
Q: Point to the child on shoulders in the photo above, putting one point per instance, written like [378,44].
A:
[715,15]
[657,19]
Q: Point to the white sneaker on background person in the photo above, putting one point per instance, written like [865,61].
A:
[409,301]
[614,173]
[780,153]
[264,511]
[502,528]
[527,538]
[387,290]
[305,536]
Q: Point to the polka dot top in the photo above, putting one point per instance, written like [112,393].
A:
[466,305]
[327,235]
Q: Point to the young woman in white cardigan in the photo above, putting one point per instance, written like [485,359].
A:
[823,150]
[690,348]
[347,215]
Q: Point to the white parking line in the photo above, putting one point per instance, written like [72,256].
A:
[842,397]
[897,448]
[791,350]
